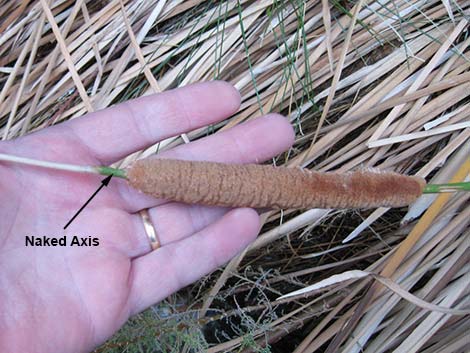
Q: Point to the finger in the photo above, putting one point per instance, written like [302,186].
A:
[112,228]
[114,133]
[251,142]
[173,221]
[164,271]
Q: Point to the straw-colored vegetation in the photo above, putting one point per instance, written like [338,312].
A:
[379,84]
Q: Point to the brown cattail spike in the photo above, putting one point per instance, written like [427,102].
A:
[263,186]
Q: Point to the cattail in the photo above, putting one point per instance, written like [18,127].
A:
[260,186]
[263,186]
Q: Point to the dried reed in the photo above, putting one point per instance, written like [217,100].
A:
[374,84]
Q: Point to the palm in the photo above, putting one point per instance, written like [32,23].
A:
[85,287]
[74,297]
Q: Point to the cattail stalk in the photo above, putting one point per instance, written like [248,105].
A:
[64,166]
[264,186]
[261,186]
[451,187]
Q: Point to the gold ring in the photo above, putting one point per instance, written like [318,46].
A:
[150,229]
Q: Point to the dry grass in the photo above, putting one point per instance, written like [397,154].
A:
[371,83]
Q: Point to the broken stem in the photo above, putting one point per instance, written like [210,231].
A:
[64,166]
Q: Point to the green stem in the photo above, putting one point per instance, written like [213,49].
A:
[120,173]
[103,170]
[439,188]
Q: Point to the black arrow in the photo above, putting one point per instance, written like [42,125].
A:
[104,182]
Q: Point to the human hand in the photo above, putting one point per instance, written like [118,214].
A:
[71,299]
